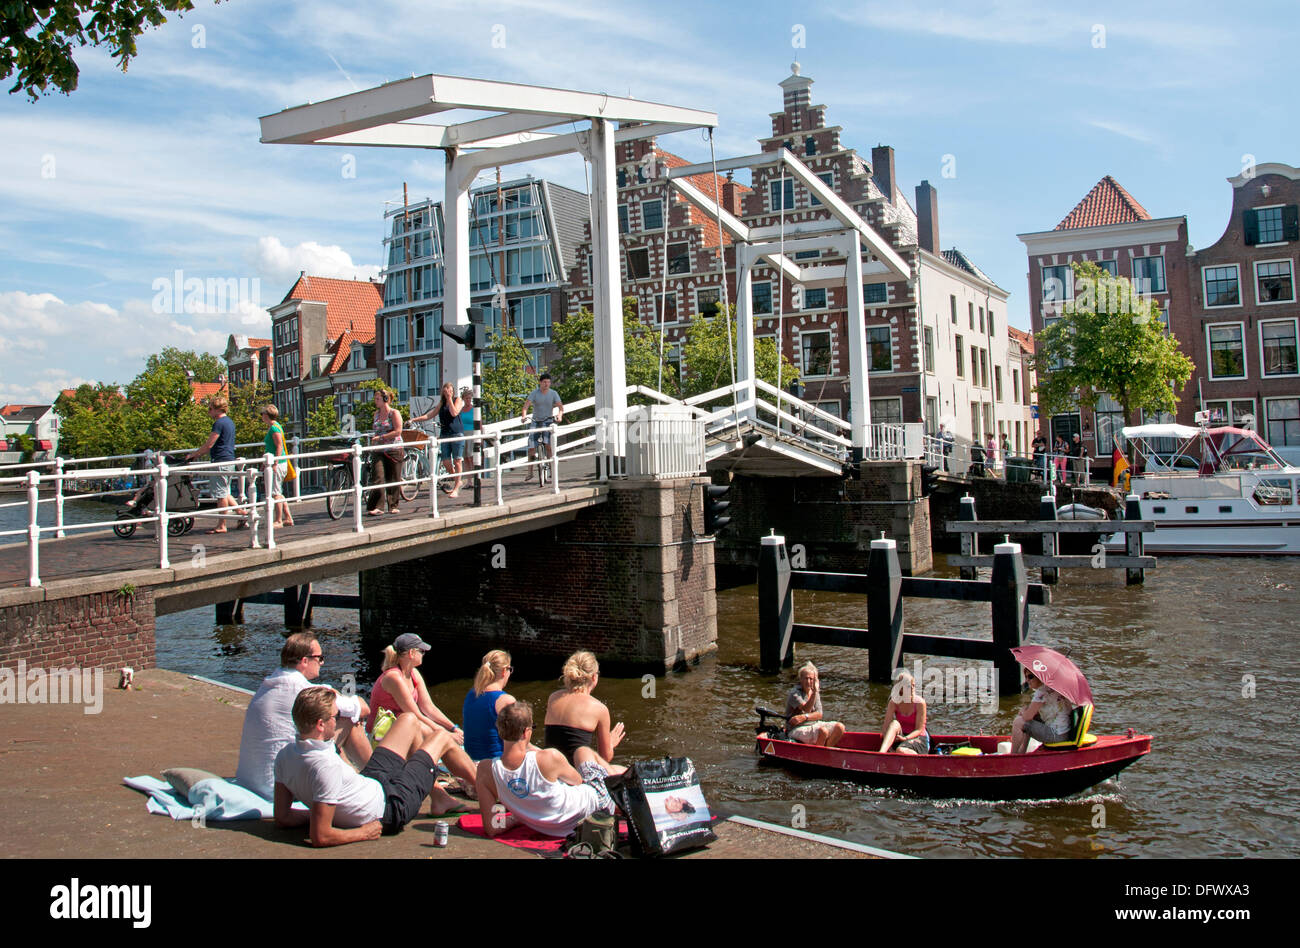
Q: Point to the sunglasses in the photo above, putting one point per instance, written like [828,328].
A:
[319,657]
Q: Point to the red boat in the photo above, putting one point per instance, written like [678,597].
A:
[989,775]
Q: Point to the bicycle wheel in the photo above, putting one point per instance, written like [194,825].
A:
[337,504]
[124,530]
[412,467]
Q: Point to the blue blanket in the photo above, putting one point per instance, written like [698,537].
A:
[213,799]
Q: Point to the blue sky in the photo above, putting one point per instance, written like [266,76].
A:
[138,175]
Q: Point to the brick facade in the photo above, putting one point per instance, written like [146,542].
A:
[630,580]
[100,630]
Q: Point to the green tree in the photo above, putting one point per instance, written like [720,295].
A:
[324,421]
[161,412]
[363,409]
[205,366]
[708,359]
[1110,340]
[37,38]
[575,366]
[92,422]
[507,379]
[247,399]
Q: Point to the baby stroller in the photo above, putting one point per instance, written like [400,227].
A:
[182,496]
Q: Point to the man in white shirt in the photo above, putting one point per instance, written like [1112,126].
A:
[344,806]
[538,787]
[268,722]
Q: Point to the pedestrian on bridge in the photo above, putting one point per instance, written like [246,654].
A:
[449,411]
[386,466]
[220,446]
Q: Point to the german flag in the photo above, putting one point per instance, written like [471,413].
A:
[1119,475]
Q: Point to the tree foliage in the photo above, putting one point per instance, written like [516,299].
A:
[247,399]
[324,421]
[575,366]
[1109,340]
[709,360]
[205,366]
[507,379]
[92,422]
[37,38]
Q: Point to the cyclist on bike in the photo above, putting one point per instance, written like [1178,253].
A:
[545,403]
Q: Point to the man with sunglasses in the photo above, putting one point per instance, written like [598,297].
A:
[345,806]
[268,722]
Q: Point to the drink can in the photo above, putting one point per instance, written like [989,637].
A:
[441,829]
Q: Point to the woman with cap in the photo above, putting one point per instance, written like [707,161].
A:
[401,687]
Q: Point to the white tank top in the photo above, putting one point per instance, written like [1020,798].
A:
[552,807]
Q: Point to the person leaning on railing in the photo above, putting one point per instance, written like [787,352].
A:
[386,466]
[449,411]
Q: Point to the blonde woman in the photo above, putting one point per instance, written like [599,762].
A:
[905,719]
[483,703]
[575,719]
[275,446]
[803,707]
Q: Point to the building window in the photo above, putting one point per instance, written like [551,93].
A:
[875,293]
[970,315]
[399,379]
[666,306]
[814,299]
[1058,284]
[1227,351]
[760,295]
[638,264]
[929,349]
[1221,286]
[1267,227]
[652,215]
[708,302]
[1149,274]
[775,190]
[997,383]
[990,315]
[531,317]
[975,367]
[816,353]
[1015,385]
[808,255]
[357,358]
[984,368]
[1273,283]
[961,358]
[1282,417]
[831,408]
[679,258]
[1238,412]
[395,341]
[886,411]
[828,179]
[426,377]
[880,352]
[952,301]
[1277,340]
[623,226]
[427,326]
[810,146]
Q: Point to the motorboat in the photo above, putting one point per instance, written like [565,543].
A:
[1214,491]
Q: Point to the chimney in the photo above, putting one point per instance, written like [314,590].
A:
[882,169]
[731,195]
[927,217]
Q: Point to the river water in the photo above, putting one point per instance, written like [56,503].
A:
[1204,657]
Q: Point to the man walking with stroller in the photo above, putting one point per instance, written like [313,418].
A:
[221,447]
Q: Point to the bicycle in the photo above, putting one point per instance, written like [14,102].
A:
[415,466]
[544,440]
[340,479]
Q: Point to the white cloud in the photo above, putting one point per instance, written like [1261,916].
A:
[1124,130]
[280,264]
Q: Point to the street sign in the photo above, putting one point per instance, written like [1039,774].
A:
[1033,411]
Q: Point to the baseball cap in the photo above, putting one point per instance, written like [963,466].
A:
[409,640]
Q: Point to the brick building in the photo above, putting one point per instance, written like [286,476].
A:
[319,318]
[1111,229]
[248,359]
[1241,329]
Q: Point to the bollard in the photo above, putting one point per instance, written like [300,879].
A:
[268,489]
[1010,598]
[33,529]
[1051,541]
[884,611]
[1133,543]
[775,605]
[969,541]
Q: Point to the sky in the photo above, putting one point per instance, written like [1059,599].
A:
[1012,109]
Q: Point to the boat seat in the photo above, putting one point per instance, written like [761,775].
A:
[1080,720]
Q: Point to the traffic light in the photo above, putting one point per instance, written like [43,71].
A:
[929,479]
[473,335]
[714,506]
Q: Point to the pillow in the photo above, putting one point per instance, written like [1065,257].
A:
[182,778]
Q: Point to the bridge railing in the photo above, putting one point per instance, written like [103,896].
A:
[956,457]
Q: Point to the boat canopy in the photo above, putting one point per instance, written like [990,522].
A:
[1210,450]
[1161,431]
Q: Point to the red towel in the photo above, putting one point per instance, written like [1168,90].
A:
[521,837]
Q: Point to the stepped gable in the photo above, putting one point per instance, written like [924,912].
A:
[1106,203]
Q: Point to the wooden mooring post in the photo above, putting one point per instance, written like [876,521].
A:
[231,612]
[1047,512]
[969,542]
[1008,592]
[1133,542]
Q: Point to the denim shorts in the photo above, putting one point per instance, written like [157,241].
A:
[450,450]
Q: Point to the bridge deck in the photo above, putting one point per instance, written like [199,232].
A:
[208,568]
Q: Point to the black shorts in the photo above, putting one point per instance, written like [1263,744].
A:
[406,783]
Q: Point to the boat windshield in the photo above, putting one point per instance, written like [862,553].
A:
[1206,450]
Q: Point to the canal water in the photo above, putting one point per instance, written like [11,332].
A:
[1204,657]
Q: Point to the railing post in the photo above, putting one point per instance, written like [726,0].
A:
[884,611]
[555,460]
[357,499]
[253,511]
[431,462]
[1133,543]
[1087,472]
[775,605]
[969,541]
[58,499]
[496,462]
[33,529]
[1010,599]
[268,487]
[602,459]
[1047,511]
[297,481]
[160,498]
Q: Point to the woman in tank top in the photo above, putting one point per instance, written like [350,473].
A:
[483,703]
[905,719]
[386,466]
[575,719]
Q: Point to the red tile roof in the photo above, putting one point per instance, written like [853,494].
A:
[1025,339]
[711,186]
[1107,203]
[204,390]
[341,350]
[349,304]
[258,343]
[14,409]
